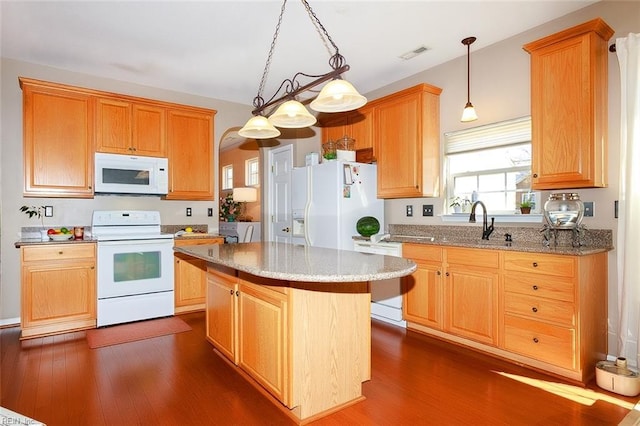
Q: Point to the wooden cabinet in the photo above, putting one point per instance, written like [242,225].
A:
[126,127]
[58,289]
[569,107]
[58,125]
[221,311]
[407,143]
[555,310]
[423,290]
[453,290]
[190,276]
[191,154]
[471,294]
[542,310]
[264,337]
[357,125]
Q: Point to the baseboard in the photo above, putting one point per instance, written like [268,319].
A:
[10,322]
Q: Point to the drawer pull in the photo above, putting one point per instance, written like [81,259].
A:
[535,287]
[535,340]
[535,264]
[60,252]
[534,309]
[231,292]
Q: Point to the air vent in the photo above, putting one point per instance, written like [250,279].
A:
[414,53]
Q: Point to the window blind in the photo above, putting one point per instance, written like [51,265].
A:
[489,136]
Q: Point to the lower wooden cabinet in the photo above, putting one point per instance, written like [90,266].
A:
[58,291]
[543,310]
[221,312]
[190,276]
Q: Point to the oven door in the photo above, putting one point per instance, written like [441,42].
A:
[133,267]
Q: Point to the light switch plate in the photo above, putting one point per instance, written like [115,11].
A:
[48,211]
[188,211]
[210,212]
[588,209]
[409,211]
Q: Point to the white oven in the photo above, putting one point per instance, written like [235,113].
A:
[135,267]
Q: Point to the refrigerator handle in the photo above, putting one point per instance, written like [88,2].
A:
[307,209]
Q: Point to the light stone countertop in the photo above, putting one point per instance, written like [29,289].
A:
[289,262]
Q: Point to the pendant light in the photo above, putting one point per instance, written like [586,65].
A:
[469,112]
[336,96]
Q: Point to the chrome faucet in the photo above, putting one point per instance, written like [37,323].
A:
[486,229]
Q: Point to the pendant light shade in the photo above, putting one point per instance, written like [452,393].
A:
[258,127]
[469,112]
[338,96]
[292,115]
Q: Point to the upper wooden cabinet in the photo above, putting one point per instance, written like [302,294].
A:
[569,107]
[58,125]
[191,155]
[125,127]
[407,143]
[357,125]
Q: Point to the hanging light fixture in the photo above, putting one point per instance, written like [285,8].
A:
[469,113]
[337,96]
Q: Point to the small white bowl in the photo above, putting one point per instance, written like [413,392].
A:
[60,237]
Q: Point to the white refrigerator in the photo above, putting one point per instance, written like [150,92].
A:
[328,199]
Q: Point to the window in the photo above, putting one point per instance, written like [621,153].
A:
[252,172]
[227,177]
[492,164]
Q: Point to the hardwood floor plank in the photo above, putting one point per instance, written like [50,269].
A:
[179,379]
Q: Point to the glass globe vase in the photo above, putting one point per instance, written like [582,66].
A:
[564,210]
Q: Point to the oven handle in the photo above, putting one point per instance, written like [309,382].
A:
[167,241]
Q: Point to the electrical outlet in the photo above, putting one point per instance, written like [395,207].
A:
[588,209]
[409,211]
[48,211]
[188,211]
[427,210]
[210,212]
[615,209]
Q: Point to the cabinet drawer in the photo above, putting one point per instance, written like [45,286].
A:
[422,252]
[192,241]
[544,342]
[540,286]
[58,252]
[473,257]
[539,308]
[549,264]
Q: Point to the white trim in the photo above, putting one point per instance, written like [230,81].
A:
[500,218]
[10,322]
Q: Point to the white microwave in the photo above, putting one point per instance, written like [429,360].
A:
[129,174]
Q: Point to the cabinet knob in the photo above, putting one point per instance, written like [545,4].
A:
[231,292]
[237,293]
[535,340]
[534,309]
[438,273]
[286,229]
[535,175]
[447,274]
[535,287]
[535,264]
[60,252]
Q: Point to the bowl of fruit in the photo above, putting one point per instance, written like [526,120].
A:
[61,234]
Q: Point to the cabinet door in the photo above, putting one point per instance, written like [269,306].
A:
[361,128]
[191,156]
[58,141]
[423,295]
[113,128]
[190,278]
[472,308]
[335,127]
[57,297]
[149,130]
[263,314]
[221,313]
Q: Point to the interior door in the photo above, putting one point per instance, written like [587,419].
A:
[280,164]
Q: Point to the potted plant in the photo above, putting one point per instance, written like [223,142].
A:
[460,204]
[37,211]
[229,209]
[525,206]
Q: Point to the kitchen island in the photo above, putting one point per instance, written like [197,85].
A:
[295,319]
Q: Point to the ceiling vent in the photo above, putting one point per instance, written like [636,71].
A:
[414,53]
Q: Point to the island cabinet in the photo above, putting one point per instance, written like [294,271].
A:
[407,143]
[127,127]
[191,154]
[306,344]
[190,276]
[569,107]
[58,289]
[454,290]
[58,131]
[546,311]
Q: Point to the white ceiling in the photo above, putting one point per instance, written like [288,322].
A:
[218,49]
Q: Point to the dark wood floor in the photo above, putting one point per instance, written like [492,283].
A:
[178,380]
